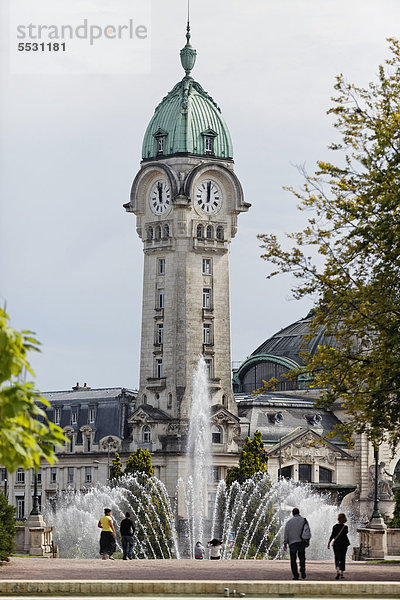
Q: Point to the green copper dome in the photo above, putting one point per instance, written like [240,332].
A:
[187,120]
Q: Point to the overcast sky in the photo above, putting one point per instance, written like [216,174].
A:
[70,260]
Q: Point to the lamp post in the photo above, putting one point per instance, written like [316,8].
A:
[35,508]
[110,441]
[376,521]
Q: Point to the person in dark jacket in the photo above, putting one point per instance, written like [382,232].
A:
[340,543]
[127,529]
[297,535]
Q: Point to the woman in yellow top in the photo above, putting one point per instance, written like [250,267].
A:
[107,537]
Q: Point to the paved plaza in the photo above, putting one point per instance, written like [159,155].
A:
[187,569]
[34,577]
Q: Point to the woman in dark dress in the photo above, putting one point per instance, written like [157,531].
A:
[340,543]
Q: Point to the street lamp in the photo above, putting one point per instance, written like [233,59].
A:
[35,508]
[110,442]
[376,520]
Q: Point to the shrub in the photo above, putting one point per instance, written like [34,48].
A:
[7,528]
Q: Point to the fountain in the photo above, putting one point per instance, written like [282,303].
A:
[248,518]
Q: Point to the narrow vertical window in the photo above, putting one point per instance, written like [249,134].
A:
[209,144]
[206,333]
[161,266]
[209,232]
[92,415]
[206,266]
[20,475]
[166,231]
[70,474]
[199,231]
[53,475]
[160,333]
[206,298]
[160,298]
[20,501]
[169,400]
[57,415]
[158,232]
[159,368]
[149,234]
[160,145]
[74,417]
[88,474]
[209,367]
[220,232]
[88,444]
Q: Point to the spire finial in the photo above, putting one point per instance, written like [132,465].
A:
[188,54]
[188,23]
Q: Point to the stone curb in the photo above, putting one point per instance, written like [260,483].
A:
[367,589]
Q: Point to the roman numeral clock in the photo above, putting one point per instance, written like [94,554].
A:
[186,198]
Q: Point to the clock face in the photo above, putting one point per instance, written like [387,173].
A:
[160,197]
[208,196]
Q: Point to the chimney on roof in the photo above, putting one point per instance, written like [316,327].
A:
[79,387]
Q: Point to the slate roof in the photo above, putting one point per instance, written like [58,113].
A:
[295,411]
[289,342]
[110,406]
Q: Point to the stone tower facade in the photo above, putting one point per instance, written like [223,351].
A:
[186,198]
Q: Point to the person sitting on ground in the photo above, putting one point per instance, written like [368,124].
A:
[107,537]
[215,549]
[199,551]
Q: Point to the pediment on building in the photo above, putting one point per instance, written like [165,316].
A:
[221,416]
[145,413]
[307,446]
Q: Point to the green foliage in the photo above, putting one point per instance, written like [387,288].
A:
[348,257]
[7,528]
[253,459]
[139,462]
[26,435]
[395,522]
[116,467]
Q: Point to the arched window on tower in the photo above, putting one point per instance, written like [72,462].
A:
[158,232]
[220,232]
[149,234]
[216,434]
[166,230]
[199,231]
[146,434]
[209,232]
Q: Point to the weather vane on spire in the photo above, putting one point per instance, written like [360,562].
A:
[188,54]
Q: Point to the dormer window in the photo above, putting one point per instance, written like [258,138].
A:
[209,136]
[209,145]
[160,137]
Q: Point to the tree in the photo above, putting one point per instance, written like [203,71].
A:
[395,522]
[139,462]
[116,467]
[253,459]
[7,528]
[26,434]
[348,257]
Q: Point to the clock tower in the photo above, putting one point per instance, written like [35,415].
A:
[186,198]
